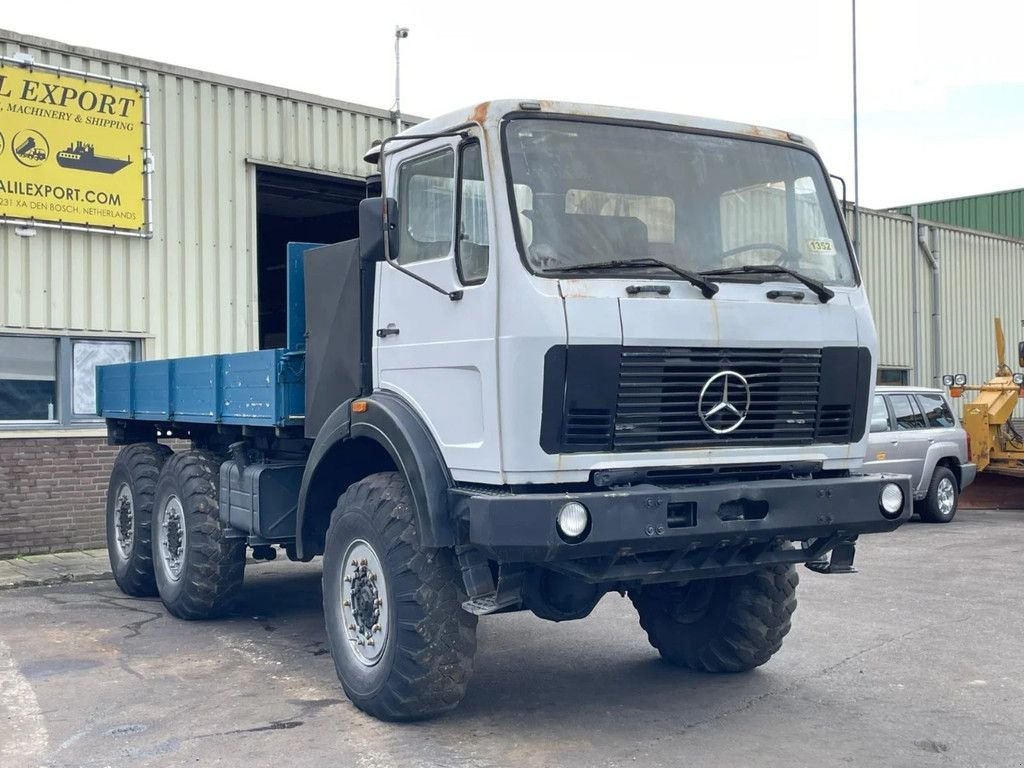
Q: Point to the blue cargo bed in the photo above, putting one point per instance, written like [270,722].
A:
[261,389]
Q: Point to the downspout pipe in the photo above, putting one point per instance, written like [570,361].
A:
[915,302]
[927,238]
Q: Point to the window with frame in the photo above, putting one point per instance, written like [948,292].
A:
[936,410]
[472,253]
[51,380]
[426,194]
[906,413]
[892,377]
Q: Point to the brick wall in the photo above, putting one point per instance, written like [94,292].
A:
[53,493]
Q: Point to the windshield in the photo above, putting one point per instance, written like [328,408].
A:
[587,192]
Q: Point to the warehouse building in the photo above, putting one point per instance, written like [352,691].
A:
[1001,213]
[189,261]
[197,182]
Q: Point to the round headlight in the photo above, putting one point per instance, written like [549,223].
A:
[1018,379]
[890,501]
[573,521]
[947,380]
[960,379]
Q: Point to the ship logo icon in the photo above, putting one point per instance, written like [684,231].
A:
[80,156]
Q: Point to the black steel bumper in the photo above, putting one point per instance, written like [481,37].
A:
[721,527]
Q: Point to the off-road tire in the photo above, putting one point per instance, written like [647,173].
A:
[930,509]
[430,640]
[214,564]
[137,466]
[737,626]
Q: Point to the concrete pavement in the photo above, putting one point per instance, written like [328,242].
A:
[915,661]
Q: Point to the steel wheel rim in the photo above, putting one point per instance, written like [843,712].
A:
[364,609]
[173,537]
[124,521]
[944,496]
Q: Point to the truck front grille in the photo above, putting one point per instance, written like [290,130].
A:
[659,389]
[601,398]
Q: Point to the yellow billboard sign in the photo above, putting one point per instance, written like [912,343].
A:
[72,149]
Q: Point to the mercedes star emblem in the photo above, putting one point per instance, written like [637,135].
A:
[724,402]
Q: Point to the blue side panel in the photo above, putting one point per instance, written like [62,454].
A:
[114,390]
[249,390]
[194,387]
[297,296]
[264,388]
[152,390]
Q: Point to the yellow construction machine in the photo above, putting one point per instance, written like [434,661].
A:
[993,443]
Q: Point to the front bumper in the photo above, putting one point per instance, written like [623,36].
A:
[744,523]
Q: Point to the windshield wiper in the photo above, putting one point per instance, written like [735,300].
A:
[707,288]
[823,293]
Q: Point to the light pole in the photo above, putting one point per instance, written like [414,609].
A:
[400,34]
[856,167]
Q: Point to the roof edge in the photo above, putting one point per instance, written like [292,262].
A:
[98,54]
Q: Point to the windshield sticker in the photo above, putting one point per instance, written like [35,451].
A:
[822,245]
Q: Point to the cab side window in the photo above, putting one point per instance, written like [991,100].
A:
[472,252]
[879,415]
[904,409]
[936,411]
[426,207]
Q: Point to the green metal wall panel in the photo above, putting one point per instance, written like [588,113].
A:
[1001,213]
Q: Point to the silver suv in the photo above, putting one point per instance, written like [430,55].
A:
[914,432]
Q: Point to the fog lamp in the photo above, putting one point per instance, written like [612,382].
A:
[573,521]
[890,501]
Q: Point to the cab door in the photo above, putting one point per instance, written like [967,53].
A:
[435,352]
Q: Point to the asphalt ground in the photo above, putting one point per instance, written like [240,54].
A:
[918,660]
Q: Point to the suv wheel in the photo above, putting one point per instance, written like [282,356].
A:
[943,496]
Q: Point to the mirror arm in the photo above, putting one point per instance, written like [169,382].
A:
[452,295]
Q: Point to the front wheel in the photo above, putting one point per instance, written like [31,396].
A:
[402,644]
[943,495]
[731,624]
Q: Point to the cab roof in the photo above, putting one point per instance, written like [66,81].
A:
[489,113]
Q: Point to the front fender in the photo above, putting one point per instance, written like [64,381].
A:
[390,423]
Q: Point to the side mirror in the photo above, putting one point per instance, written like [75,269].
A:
[1020,353]
[371,228]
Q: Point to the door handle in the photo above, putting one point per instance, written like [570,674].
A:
[391,330]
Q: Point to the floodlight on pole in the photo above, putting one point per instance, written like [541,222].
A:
[400,34]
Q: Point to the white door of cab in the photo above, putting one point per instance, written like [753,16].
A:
[435,352]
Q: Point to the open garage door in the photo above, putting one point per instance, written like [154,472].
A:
[292,206]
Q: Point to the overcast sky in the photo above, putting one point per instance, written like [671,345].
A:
[941,83]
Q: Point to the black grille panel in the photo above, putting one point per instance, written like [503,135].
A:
[602,398]
[659,389]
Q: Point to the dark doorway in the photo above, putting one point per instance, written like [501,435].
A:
[295,207]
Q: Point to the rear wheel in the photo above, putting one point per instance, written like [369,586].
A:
[402,644]
[943,496]
[729,624]
[129,516]
[198,568]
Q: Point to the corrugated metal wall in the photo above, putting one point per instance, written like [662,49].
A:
[980,278]
[1001,213]
[192,287]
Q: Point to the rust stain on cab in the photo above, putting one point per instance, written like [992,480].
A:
[480,111]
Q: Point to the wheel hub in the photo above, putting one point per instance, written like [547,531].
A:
[173,535]
[944,493]
[124,521]
[363,605]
